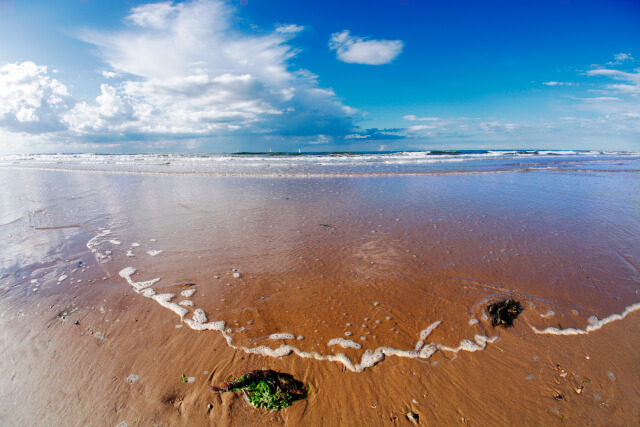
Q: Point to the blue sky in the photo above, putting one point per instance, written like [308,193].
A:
[254,75]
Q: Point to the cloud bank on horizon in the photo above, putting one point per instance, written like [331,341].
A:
[181,76]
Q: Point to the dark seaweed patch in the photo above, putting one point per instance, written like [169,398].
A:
[267,389]
[504,312]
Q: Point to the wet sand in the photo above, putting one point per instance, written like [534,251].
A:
[372,260]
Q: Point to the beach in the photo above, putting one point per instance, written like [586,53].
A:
[132,283]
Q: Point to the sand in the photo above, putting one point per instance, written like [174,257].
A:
[319,267]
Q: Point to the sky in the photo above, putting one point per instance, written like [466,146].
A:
[109,76]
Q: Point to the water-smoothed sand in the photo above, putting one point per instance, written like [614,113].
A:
[372,290]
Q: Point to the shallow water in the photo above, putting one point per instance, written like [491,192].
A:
[374,261]
[331,164]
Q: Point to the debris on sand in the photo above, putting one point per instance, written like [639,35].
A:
[266,389]
[413,417]
[504,312]
[132,379]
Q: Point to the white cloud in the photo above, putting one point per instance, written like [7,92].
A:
[111,113]
[619,100]
[616,74]
[632,79]
[321,139]
[110,74]
[358,50]
[195,75]
[622,57]
[413,118]
[602,99]
[457,127]
[553,83]
[289,28]
[624,88]
[155,15]
[420,127]
[30,100]
[498,127]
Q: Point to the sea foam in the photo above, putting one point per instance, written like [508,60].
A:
[165,301]
[594,325]
[126,274]
[344,343]
[282,336]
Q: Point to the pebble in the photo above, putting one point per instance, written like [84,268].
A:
[413,417]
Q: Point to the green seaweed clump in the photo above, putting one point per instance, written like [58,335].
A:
[504,312]
[267,389]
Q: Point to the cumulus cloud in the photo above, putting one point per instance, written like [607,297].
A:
[30,100]
[110,109]
[359,50]
[192,74]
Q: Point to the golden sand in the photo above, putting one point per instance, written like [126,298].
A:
[373,262]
